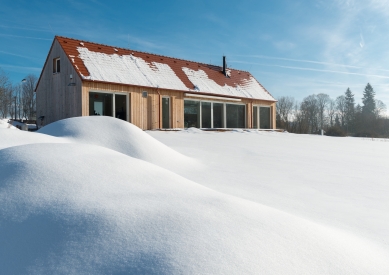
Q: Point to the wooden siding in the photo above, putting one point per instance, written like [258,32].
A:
[54,98]
[144,112]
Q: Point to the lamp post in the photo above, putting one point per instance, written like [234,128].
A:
[21,82]
[15,108]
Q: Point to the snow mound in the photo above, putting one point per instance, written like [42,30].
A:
[120,136]
[4,124]
[82,209]
[16,138]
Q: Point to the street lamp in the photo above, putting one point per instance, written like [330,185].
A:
[21,82]
[15,108]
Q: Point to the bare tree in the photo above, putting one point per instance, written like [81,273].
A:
[322,103]
[380,108]
[284,109]
[5,94]
[309,108]
[28,97]
[331,110]
[341,109]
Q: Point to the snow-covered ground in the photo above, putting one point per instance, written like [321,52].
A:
[96,195]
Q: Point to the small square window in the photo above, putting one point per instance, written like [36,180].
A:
[144,94]
[56,65]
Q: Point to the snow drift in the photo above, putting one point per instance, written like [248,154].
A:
[117,135]
[77,206]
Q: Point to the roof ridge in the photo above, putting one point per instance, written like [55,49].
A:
[159,55]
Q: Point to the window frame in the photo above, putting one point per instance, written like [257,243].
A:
[259,116]
[224,116]
[128,103]
[55,65]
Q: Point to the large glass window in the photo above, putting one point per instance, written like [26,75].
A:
[100,104]
[165,112]
[235,115]
[218,115]
[206,115]
[191,114]
[264,117]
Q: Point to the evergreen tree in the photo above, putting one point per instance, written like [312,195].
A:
[368,108]
[350,110]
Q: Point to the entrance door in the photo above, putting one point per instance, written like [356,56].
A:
[166,112]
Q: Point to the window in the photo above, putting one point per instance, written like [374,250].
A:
[205,114]
[235,115]
[165,112]
[261,117]
[264,117]
[218,115]
[109,104]
[191,114]
[56,65]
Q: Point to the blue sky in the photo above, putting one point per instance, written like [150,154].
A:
[293,48]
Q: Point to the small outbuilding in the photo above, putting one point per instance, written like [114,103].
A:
[81,78]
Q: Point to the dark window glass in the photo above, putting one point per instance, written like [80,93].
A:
[235,116]
[121,107]
[191,114]
[255,117]
[218,115]
[58,65]
[165,112]
[264,117]
[100,104]
[206,115]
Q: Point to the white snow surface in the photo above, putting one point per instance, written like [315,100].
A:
[129,69]
[76,199]
[4,124]
[249,89]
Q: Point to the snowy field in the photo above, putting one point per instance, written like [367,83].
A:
[96,195]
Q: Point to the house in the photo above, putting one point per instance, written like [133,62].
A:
[81,78]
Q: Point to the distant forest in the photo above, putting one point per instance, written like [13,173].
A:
[337,117]
[18,100]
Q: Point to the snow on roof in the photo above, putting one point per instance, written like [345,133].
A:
[129,69]
[99,62]
[249,88]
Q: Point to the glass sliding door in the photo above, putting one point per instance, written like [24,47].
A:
[165,112]
[218,115]
[100,104]
[191,113]
[264,117]
[121,106]
[206,115]
[235,115]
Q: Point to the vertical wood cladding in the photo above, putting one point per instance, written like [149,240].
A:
[145,112]
[55,99]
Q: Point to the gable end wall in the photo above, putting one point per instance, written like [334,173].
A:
[54,98]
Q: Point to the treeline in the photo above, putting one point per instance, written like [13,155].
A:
[340,116]
[18,100]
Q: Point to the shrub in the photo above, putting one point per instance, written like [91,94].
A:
[366,134]
[335,131]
